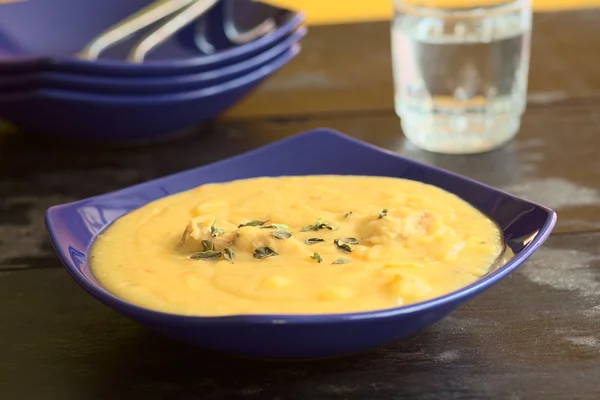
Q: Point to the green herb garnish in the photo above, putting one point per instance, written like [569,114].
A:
[349,213]
[264,252]
[281,234]
[214,231]
[207,255]
[343,246]
[279,227]
[341,261]
[314,240]
[317,257]
[347,240]
[207,245]
[254,223]
[382,213]
[318,226]
[228,254]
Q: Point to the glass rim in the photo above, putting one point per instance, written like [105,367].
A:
[464,12]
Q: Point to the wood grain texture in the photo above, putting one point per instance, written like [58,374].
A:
[533,336]
[347,68]
[536,335]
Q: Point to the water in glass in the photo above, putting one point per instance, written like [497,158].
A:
[461,74]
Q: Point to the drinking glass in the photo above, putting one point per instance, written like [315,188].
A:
[460,71]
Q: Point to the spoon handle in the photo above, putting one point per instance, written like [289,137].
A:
[237,37]
[132,24]
[168,29]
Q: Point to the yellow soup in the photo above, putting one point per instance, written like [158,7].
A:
[311,244]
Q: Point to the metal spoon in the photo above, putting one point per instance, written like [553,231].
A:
[238,37]
[132,24]
[231,31]
[169,28]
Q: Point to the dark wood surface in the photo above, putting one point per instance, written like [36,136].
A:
[347,68]
[536,335]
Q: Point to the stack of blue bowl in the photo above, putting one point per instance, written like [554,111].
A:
[45,88]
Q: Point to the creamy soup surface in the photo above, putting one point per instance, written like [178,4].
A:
[287,245]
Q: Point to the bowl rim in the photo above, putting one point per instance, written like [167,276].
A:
[42,60]
[149,98]
[51,78]
[107,298]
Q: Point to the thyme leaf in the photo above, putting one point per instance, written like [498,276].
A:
[207,255]
[341,261]
[343,246]
[228,254]
[254,223]
[319,225]
[348,240]
[214,231]
[264,252]
[207,245]
[281,234]
[279,227]
[313,240]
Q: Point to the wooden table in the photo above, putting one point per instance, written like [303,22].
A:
[534,336]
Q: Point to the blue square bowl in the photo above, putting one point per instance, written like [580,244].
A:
[129,119]
[45,35]
[11,84]
[74,226]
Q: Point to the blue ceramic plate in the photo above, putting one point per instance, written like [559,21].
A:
[74,226]
[128,118]
[69,25]
[11,83]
